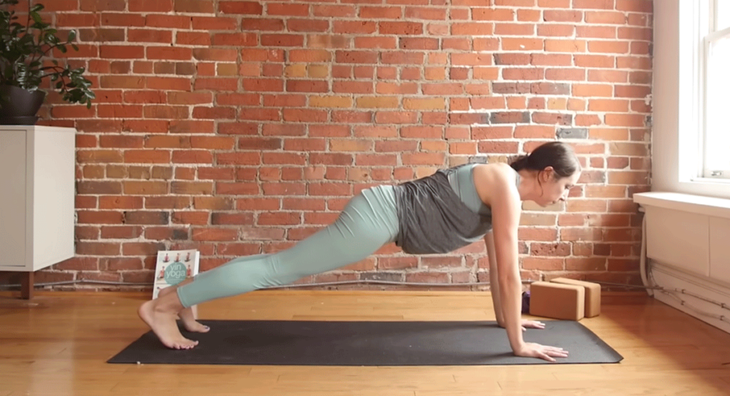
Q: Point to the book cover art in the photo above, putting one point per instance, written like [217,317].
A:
[173,267]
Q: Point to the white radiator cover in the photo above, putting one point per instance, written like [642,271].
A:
[688,248]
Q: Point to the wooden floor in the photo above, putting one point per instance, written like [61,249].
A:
[57,345]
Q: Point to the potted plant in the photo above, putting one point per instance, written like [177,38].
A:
[23,49]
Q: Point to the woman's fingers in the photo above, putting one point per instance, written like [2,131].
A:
[547,357]
[533,324]
[557,352]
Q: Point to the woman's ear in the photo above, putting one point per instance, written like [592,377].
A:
[548,173]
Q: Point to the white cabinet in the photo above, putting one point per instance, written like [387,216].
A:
[37,189]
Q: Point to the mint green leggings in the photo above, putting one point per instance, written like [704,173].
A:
[368,222]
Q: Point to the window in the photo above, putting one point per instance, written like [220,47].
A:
[715,59]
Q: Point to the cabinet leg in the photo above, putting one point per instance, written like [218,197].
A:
[26,285]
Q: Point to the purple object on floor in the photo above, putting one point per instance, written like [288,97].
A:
[526,302]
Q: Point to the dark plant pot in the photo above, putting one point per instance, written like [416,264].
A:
[19,106]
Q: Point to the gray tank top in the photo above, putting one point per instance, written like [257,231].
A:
[434,219]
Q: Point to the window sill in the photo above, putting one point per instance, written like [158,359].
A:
[710,206]
[712,181]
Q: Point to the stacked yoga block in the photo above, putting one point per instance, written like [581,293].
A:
[564,298]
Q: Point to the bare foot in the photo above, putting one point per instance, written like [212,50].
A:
[186,315]
[163,324]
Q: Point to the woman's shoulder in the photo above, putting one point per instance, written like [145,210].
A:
[495,179]
[496,172]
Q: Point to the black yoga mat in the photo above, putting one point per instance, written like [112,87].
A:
[338,343]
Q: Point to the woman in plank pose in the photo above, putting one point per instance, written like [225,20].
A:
[436,214]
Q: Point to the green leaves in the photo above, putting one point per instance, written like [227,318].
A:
[23,48]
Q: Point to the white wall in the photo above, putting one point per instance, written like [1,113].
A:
[665,94]
[675,126]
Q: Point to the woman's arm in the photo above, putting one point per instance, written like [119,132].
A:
[494,288]
[493,278]
[506,208]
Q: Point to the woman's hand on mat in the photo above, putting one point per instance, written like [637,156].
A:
[531,349]
[527,324]
[532,324]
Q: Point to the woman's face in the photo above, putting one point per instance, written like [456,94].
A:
[554,187]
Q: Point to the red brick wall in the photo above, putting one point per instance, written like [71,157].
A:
[240,127]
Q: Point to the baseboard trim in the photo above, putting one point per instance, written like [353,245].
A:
[670,279]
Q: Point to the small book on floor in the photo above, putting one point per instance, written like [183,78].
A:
[173,267]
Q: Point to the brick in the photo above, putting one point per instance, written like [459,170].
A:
[511,59]
[98,248]
[566,74]
[167,202]
[423,158]
[401,57]
[400,28]
[595,61]
[509,117]
[514,29]
[631,33]
[594,90]
[377,102]
[191,188]
[538,234]
[603,32]
[144,188]
[555,30]
[498,147]
[145,217]
[522,44]
[486,44]
[428,13]
[570,46]
[533,131]
[605,18]
[625,119]
[634,5]
[487,103]
[98,217]
[497,132]
[523,74]
[572,133]
[545,264]
[304,145]
[528,15]
[492,14]
[633,62]
[618,47]
[594,4]
[552,118]
[375,160]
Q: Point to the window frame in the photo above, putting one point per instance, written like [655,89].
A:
[707,22]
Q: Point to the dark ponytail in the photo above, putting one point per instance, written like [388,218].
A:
[558,155]
[520,163]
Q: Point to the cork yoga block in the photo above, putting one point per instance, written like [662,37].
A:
[592,291]
[557,301]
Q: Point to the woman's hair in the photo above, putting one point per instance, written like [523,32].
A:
[556,154]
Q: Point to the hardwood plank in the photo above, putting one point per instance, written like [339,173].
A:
[626,386]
